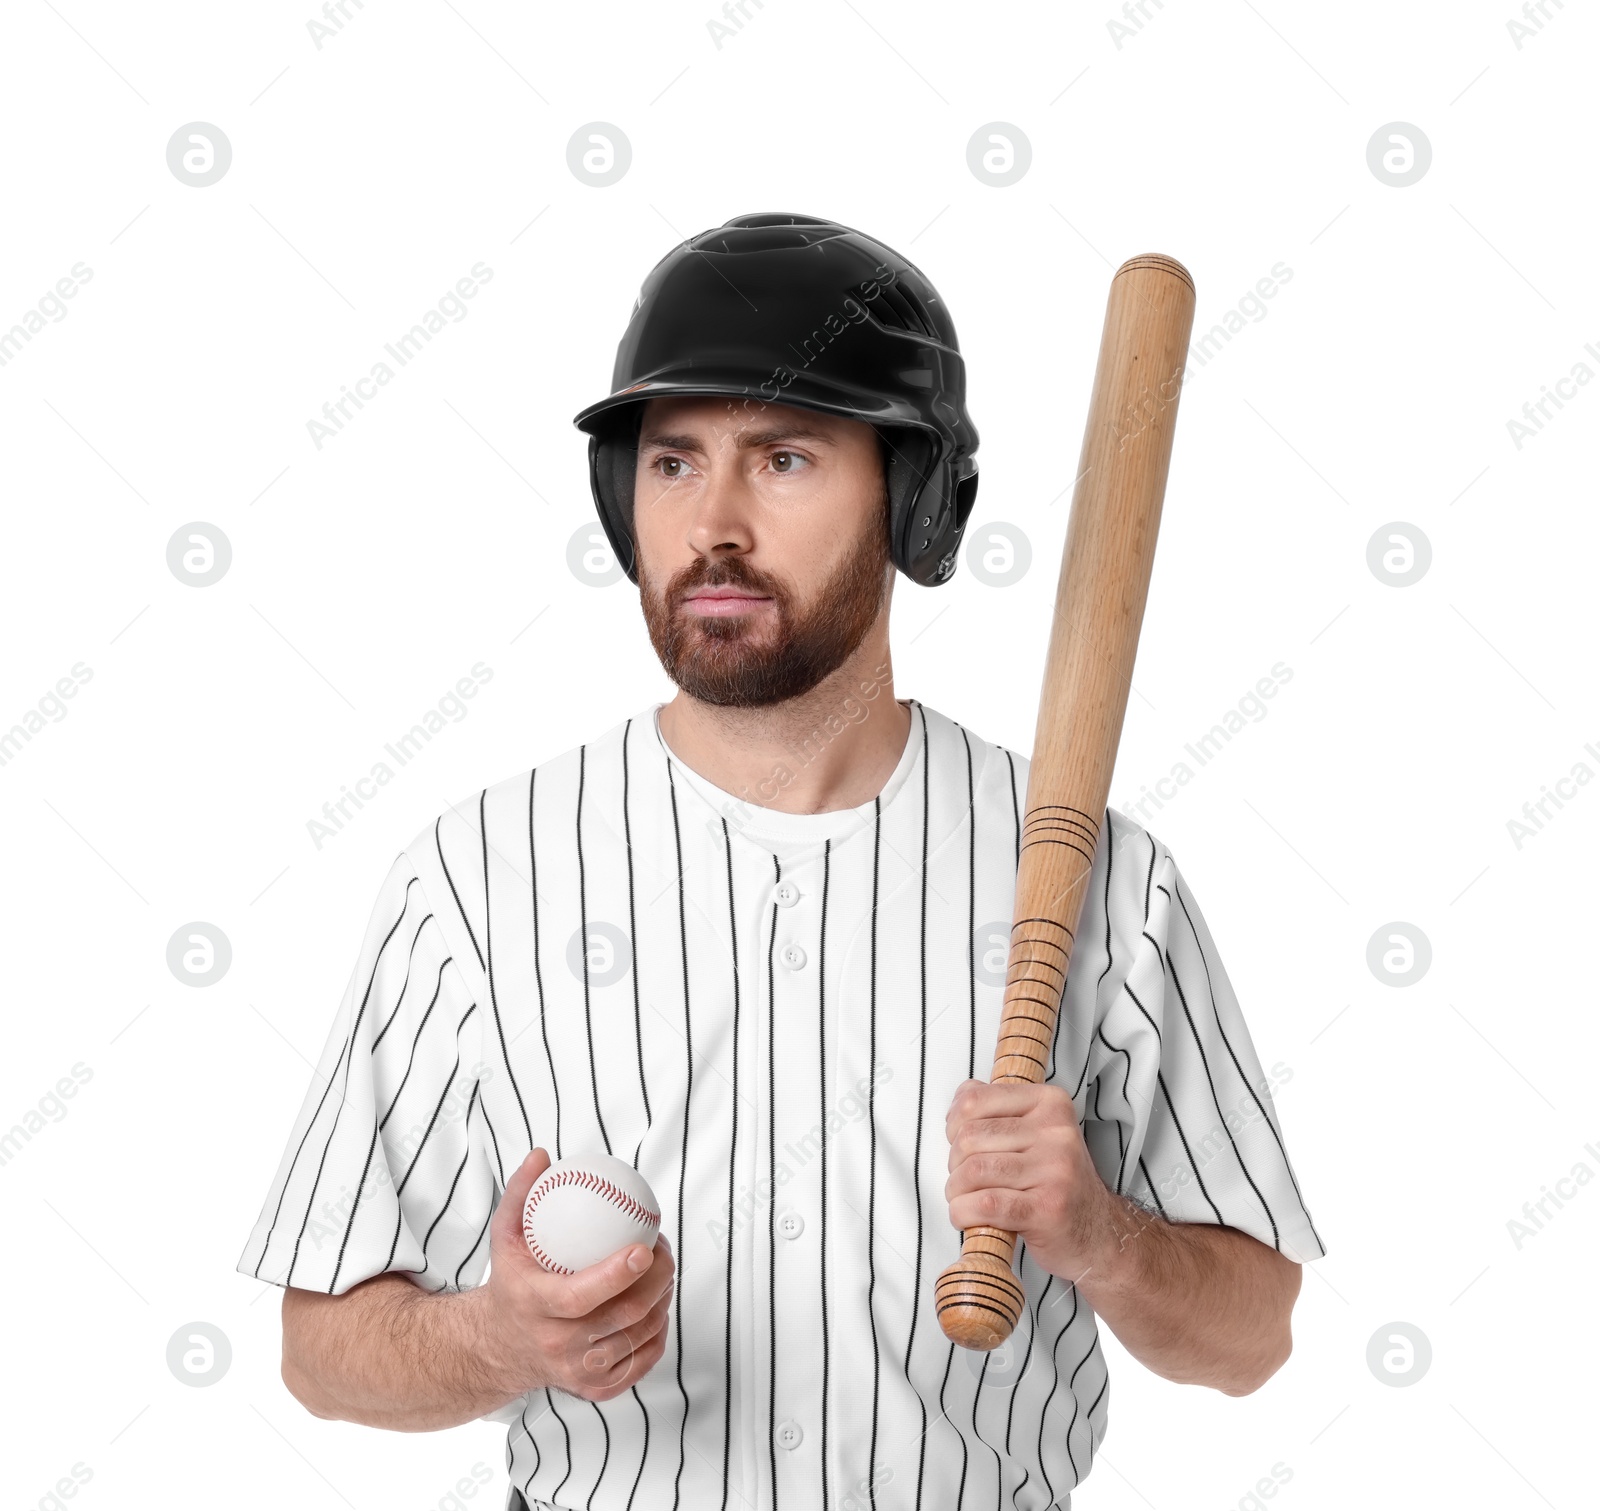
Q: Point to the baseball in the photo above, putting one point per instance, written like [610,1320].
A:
[581,1211]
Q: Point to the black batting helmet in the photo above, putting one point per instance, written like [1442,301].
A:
[790,309]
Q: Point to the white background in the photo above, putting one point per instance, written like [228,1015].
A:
[371,173]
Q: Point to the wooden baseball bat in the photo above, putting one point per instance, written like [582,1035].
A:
[1094,636]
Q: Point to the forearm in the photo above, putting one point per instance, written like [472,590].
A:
[386,1354]
[1197,1303]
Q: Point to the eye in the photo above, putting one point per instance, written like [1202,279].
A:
[671,461]
[788,461]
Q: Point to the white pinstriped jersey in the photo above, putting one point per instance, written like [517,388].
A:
[768,1014]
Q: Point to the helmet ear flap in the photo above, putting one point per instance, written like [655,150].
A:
[928,506]
[907,461]
[906,452]
[613,461]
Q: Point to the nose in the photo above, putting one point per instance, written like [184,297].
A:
[720,519]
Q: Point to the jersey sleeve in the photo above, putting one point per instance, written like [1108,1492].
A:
[386,1167]
[1176,1108]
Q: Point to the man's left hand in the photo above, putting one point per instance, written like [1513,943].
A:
[1018,1162]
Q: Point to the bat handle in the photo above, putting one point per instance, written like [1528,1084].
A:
[978,1298]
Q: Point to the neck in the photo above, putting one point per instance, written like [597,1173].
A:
[831,748]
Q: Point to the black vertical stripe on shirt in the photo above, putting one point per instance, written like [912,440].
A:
[1111,852]
[688,1104]
[644,1451]
[482,1233]
[538,970]
[566,1436]
[1095,1099]
[400,996]
[972,917]
[605,1453]
[922,1087]
[733,1165]
[400,1185]
[644,1084]
[444,1091]
[1155,1195]
[583,945]
[1127,1101]
[355,1206]
[1016,1380]
[1016,812]
[638,1039]
[977,1432]
[466,923]
[322,1163]
[872,1150]
[822,1099]
[1216,1101]
[344,1058]
[494,1144]
[961,1440]
[1133,997]
[1171,1107]
[1088,1416]
[772,1205]
[527,1432]
[1038,1333]
[1027,1473]
[1222,1033]
[488,945]
[633,946]
[450,1195]
[972,1057]
[1161,1081]
[1072,1390]
[1044,1411]
[416,1039]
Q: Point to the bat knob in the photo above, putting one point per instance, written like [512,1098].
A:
[978,1300]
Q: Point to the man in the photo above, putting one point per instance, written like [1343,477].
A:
[752,941]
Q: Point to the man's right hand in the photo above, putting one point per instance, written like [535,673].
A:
[593,1333]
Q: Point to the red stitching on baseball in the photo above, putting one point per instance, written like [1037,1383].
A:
[543,1258]
[613,1194]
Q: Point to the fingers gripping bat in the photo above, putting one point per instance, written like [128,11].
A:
[1094,636]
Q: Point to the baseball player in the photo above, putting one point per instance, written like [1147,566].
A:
[752,941]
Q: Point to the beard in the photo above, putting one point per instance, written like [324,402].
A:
[732,662]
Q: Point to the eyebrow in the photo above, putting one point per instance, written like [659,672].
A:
[748,439]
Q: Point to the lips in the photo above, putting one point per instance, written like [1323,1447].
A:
[724,600]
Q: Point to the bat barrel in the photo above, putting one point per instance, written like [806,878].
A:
[1094,638]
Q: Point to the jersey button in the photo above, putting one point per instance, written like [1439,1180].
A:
[791,1224]
[786,894]
[788,1434]
[793,956]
